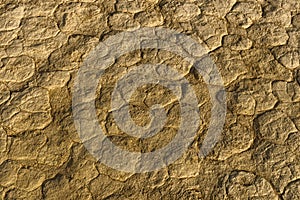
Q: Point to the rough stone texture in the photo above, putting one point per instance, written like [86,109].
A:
[244,185]
[244,14]
[17,69]
[186,12]
[255,45]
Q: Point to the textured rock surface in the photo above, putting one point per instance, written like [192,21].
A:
[256,47]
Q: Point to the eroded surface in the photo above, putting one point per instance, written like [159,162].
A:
[255,45]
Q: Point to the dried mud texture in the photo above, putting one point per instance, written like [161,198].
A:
[255,45]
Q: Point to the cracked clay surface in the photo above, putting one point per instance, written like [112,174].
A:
[256,47]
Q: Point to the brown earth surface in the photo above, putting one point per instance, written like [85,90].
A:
[256,47]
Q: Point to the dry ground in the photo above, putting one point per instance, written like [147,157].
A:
[255,45]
